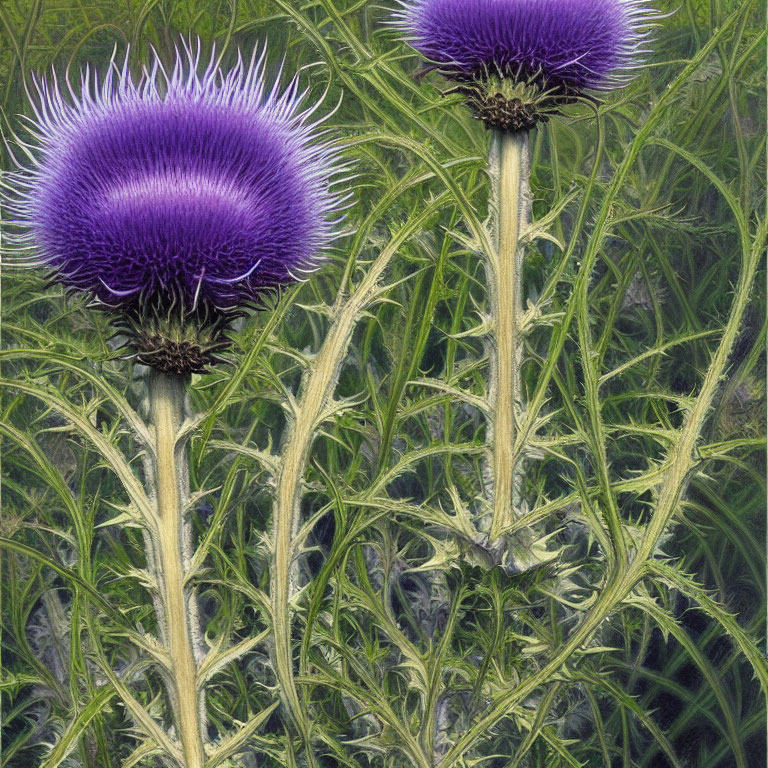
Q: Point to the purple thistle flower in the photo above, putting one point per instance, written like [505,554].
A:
[176,189]
[561,46]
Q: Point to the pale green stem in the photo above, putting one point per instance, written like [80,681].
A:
[316,396]
[314,405]
[509,161]
[166,394]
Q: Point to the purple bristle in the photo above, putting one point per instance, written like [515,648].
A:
[564,45]
[199,187]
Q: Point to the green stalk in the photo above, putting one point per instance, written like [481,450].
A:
[315,404]
[509,161]
[166,396]
[316,396]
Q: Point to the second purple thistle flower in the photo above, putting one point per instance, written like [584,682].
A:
[544,52]
[178,198]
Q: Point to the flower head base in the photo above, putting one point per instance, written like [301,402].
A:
[552,51]
[177,199]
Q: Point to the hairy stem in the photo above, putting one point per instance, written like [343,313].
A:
[317,392]
[166,394]
[314,405]
[508,159]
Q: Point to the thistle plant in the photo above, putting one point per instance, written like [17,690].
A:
[353,609]
[174,202]
[518,63]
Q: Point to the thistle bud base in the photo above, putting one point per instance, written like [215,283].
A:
[508,115]
[508,103]
[176,341]
[172,356]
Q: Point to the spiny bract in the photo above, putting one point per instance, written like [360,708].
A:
[562,46]
[178,188]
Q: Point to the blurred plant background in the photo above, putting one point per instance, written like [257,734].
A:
[409,645]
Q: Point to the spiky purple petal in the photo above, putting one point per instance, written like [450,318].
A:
[199,187]
[564,45]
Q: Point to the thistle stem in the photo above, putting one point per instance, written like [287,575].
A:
[314,405]
[166,395]
[505,282]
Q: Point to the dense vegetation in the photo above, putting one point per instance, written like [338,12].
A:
[636,641]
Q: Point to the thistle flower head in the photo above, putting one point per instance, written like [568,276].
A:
[556,49]
[178,194]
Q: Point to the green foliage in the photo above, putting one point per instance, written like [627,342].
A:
[640,646]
